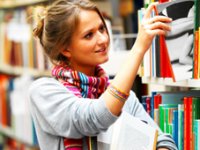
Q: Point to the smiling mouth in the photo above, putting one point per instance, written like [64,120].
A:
[101,50]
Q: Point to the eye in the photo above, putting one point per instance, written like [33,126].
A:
[89,35]
[102,28]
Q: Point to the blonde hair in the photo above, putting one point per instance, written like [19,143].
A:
[57,24]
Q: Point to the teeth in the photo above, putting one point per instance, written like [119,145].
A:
[101,50]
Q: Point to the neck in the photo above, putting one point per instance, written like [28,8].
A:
[89,71]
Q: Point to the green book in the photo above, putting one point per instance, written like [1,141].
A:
[168,119]
[163,118]
[197,14]
[197,134]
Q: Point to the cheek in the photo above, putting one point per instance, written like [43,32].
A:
[89,46]
[108,39]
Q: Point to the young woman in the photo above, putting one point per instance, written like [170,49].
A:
[78,102]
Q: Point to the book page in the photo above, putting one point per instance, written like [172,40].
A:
[130,133]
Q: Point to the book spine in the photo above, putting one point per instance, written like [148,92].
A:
[148,102]
[199,53]
[188,123]
[195,55]
[180,126]
[152,103]
[197,134]
[186,129]
[157,102]
[175,126]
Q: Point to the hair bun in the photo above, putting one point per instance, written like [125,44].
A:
[39,18]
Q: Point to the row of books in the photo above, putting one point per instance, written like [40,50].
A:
[178,114]
[11,144]
[175,55]
[15,116]
[18,47]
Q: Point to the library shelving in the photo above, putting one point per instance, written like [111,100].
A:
[9,132]
[191,83]
[18,68]
[175,108]
[18,71]
[6,4]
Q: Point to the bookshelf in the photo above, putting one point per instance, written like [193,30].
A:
[175,107]
[15,125]
[191,83]
[7,4]
[9,132]
[18,71]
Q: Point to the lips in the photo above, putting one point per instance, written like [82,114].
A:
[100,50]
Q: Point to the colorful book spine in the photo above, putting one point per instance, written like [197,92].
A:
[148,102]
[157,102]
[197,134]
[175,126]
[180,125]
[196,40]
[163,118]
[152,103]
[188,145]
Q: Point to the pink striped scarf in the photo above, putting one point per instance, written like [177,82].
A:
[82,86]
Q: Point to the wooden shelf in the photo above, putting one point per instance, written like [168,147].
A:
[18,3]
[17,71]
[168,82]
[9,133]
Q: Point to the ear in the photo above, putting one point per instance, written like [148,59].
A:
[66,53]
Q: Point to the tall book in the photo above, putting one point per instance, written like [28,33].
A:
[164,116]
[197,134]
[180,125]
[188,123]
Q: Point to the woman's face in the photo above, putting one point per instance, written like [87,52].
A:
[89,43]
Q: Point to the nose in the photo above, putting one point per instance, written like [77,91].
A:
[102,38]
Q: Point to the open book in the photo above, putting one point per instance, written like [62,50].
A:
[130,133]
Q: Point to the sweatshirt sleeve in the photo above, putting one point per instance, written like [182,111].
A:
[135,108]
[59,112]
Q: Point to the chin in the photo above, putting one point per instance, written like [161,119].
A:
[104,61]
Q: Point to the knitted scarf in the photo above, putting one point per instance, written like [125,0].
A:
[82,86]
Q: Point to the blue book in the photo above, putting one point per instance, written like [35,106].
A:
[175,126]
[152,103]
[143,101]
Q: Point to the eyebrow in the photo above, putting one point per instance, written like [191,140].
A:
[90,29]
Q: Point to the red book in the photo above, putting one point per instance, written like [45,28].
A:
[157,101]
[148,102]
[3,100]
[165,64]
[162,1]
[188,145]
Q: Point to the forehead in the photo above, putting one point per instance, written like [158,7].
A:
[88,19]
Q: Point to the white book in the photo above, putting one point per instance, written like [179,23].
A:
[128,133]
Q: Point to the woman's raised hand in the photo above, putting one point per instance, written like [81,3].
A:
[151,26]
